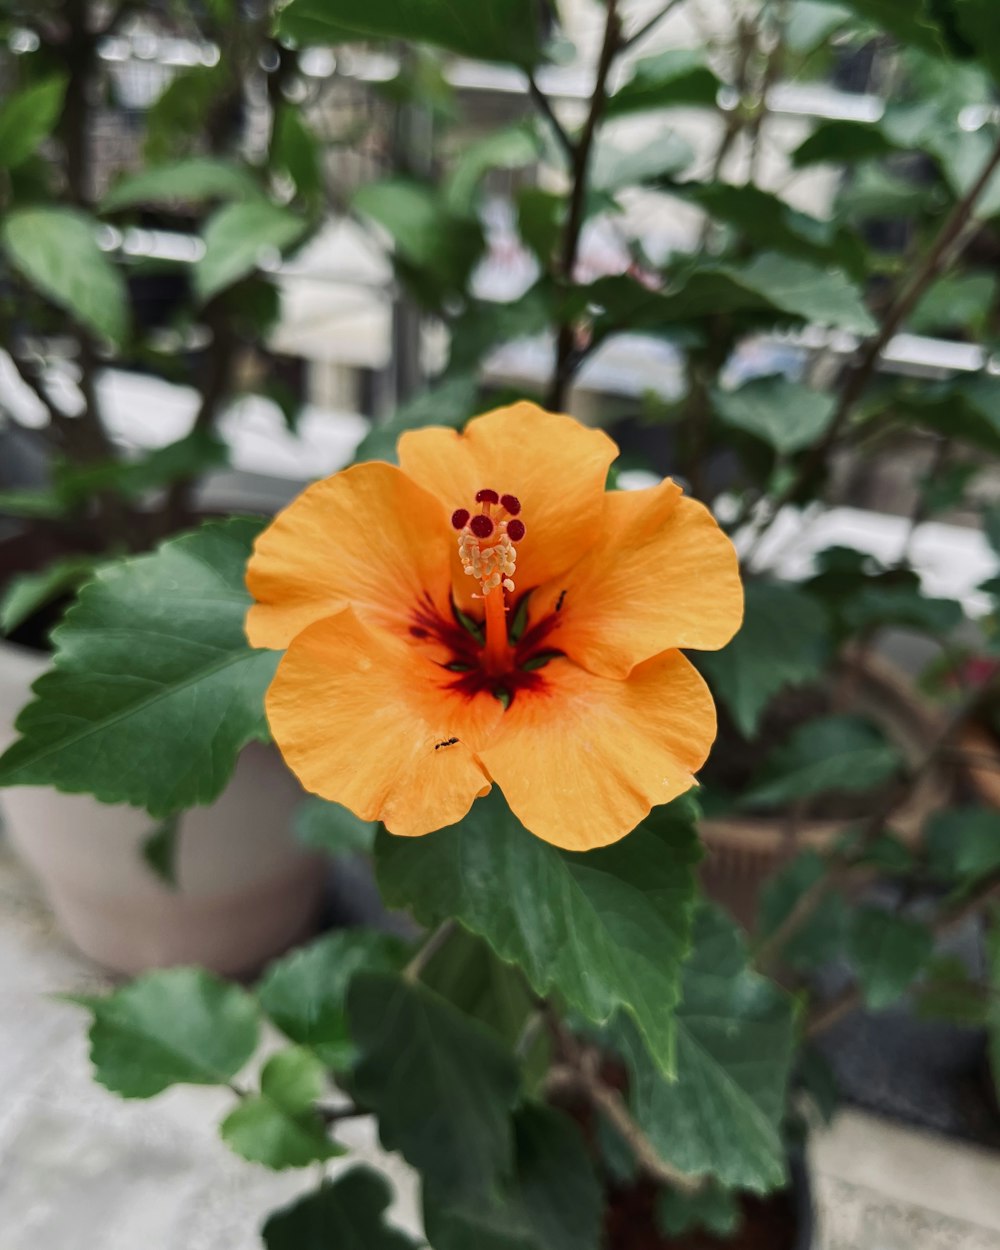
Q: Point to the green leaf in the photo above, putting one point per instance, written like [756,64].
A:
[331,828]
[785,641]
[159,850]
[28,593]
[977,22]
[963,843]
[820,938]
[175,1026]
[614,168]
[711,1208]
[187,693]
[296,150]
[469,975]
[238,238]
[825,296]
[450,402]
[345,1214]
[956,302]
[879,606]
[786,415]
[193,180]
[722,1116]
[811,23]
[305,993]
[887,951]
[843,142]
[607,929]
[56,250]
[27,118]
[444,1098]
[909,20]
[503,30]
[436,248]
[280,1127]
[552,1202]
[676,77]
[835,754]
[512,148]
[540,216]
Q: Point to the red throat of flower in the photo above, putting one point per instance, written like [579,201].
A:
[486,545]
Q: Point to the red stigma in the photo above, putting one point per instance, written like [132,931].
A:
[459,518]
[487,496]
[515,530]
[511,503]
[481,526]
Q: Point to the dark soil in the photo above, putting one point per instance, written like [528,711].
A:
[630,1224]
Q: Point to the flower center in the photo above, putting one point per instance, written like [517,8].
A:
[486,540]
[486,545]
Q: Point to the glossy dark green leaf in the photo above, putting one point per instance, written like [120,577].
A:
[345,1214]
[297,151]
[887,952]
[469,975]
[956,302]
[909,20]
[722,1116]
[784,641]
[784,414]
[305,993]
[159,849]
[436,248]
[331,828]
[963,843]
[441,1085]
[280,1126]
[842,754]
[607,929]
[711,1208]
[879,606]
[614,168]
[820,938]
[176,1026]
[450,402]
[56,251]
[240,237]
[27,118]
[977,21]
[187,691]
[843,142]
[27,593]
[191,181]
[552,1202]
[825,296]
[503,30]
[676,77]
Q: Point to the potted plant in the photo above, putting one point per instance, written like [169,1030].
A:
[83,293]
[582,1050]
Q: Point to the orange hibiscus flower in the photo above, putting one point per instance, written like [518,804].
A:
[485,613]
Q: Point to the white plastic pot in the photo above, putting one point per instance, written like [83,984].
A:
[246,890]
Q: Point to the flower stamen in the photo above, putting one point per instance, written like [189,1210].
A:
[486,546]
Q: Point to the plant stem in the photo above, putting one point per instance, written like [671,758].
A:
[564,365]
[648,26]
[545,107]
[438,939]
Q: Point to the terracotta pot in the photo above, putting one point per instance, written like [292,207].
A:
[743,852]
[246,891]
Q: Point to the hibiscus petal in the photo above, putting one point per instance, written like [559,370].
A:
[661,575]
[583,760]
[368,537]
[555,467]
[366,720]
